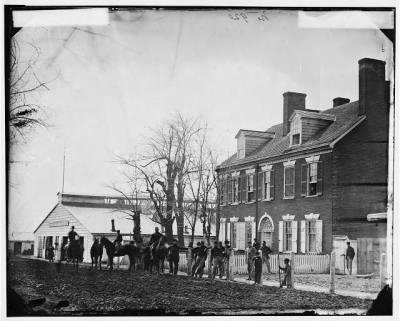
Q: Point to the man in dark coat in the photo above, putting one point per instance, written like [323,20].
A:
[349,257]
[199,266]
[266,251]
[195,258]
[155,237]
[71,237]
[217,257]
[257,262]
[173,257]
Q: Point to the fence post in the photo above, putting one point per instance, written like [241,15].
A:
[189,261]
[332,273]
[231,261]
[209,263]
[292,269]
[382,270]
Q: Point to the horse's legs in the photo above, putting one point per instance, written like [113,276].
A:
[100,257]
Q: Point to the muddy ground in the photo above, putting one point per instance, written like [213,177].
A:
[139,293]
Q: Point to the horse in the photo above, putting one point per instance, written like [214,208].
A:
[158,255]
[75,251]
[128,249]
[96,253]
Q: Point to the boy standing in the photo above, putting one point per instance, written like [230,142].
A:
[287,270]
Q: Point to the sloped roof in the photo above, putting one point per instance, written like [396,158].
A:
[98,220]
[312,114]
[346,118]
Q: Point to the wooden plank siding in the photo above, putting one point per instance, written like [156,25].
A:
[310,127]
[50,227]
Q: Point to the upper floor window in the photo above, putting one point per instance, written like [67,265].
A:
[311,177]
[295,131]
[251,192]
[289,179]
[268,185]
[221,190]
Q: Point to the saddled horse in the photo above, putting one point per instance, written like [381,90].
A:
[96,253]
[127,249]
[75,253]
[158,254]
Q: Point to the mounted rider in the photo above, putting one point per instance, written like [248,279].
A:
[155,237]
[118,241]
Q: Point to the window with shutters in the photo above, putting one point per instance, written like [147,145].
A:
[311,234]
[287,235]
[311,179]
[289,180]
[251,192]
[234,234]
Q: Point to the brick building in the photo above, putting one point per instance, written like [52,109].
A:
[317,178]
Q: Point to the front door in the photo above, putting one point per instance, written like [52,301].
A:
[267,229]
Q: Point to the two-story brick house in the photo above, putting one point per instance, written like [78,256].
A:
[317,175]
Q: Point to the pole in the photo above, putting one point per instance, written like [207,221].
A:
[209,263]
[292,269]
[279,271]
[189,261]
[63,174]
[332,273]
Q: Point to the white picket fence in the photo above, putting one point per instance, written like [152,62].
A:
[303,263]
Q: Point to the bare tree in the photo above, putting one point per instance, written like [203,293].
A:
[24,81]
[131,204]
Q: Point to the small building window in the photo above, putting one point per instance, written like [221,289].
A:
[235,190]
[186,229]
[311,234]
[287,235]
[311,178]
[295,131]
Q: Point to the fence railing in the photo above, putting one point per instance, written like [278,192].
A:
[303,263]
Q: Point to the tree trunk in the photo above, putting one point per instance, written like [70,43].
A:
[169,233]
[169,220]
[180,222]
[136,228]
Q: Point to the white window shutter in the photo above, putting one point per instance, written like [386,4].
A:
[303,236]
[222,232]
[294,236]
[228,232]
[280,236]
[318,227]
[241,236]
[253,231]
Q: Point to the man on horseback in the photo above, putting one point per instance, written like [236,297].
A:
[71,237]
[155,237]
[117,242]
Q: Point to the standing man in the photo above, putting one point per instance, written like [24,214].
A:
[250,253]
[266,251]
[349,257]
[227,254]
[58,257]
[173,257]
[217,258]
[257,262]
[195,254]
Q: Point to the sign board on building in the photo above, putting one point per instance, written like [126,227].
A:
[58,223]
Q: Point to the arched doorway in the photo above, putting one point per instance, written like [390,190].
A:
[266,230]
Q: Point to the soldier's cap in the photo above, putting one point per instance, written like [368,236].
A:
[118,231]
[202,243]
[348,243]
[258,252]
[198,243]
[286,260]
[72,227]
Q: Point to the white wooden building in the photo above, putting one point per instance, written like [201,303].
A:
[95,216]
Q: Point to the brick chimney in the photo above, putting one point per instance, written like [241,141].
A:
[338,101]
[372,86]
[112,225]
[291,101]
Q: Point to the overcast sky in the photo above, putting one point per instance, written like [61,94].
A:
[110,84]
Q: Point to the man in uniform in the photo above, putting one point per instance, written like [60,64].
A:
[195,259]
[250,253]
[266,251]
[349,257]
[201,253]
[227,254]
[173,257]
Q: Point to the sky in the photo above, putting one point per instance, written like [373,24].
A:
[110,85]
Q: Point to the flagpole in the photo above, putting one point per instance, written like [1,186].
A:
[63,174]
